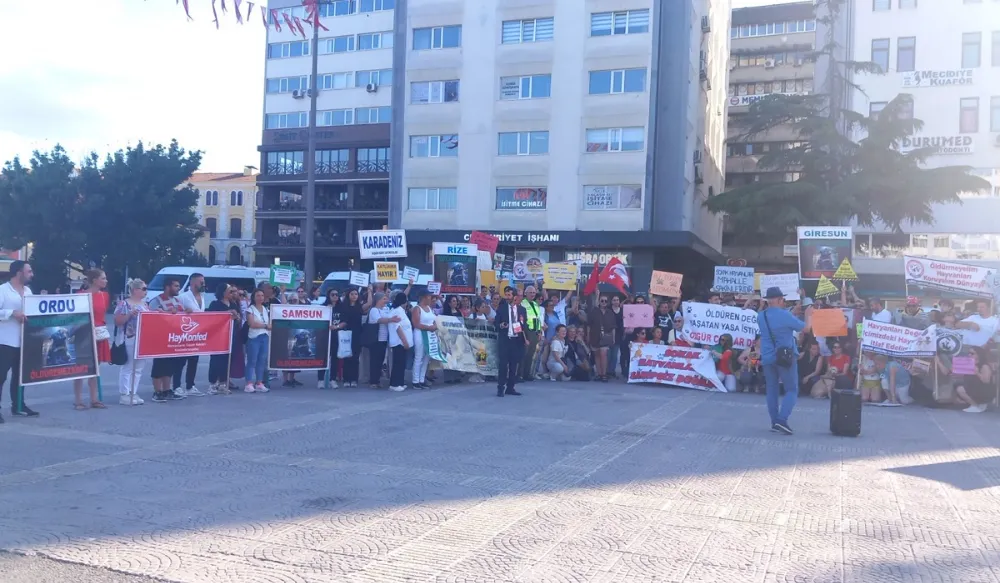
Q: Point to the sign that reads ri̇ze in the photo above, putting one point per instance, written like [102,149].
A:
[382,244]
[943,78]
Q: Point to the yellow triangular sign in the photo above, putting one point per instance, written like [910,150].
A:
[845,271]
[825,288]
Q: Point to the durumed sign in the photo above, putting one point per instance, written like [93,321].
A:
[960,144]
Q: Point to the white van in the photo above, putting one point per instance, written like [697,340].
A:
[341,281]
[241,277]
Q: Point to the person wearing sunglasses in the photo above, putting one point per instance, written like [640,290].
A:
[126,318]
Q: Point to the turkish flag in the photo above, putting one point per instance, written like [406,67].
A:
[591,286]
[616,274]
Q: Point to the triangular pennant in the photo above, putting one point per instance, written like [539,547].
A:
[845,271]
[825,288]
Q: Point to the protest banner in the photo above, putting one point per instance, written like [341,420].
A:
[463,345]
[691,368]
[57,339]
[488,278]
[934,274]
[163,335]
[825,288]
[434,287]
[359,279]
[637,315]
[386,271]
[788,283]
[410,273]
[382,244]
[828,323]
[282,275]
[455,267]
[704,323]
[484,261]
[845,272]
[560,276]
[665,284]
[821,250]
[736,280]
[300,337]
[899,341]
[484,241]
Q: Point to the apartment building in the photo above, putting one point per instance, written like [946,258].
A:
[768,54]
[226,205]
[355,84]
[946,55]
[574,129]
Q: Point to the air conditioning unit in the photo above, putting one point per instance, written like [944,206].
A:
[697,156]
[371,88]
[768,63]
[706,24]
[299,93]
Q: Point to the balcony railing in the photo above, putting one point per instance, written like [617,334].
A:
[373,166]
[337,167]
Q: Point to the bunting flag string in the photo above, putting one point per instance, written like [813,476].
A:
[268,16]
[298,25]
[236,9]
[216,15]
[187,9]
[224,10]
[274,19]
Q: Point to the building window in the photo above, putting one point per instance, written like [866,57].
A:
[211,198]
[623,22]
[337,44]
[370,41]
[336,81]
[376,78]
[789,86]
[278,121]
[232,198]
[235,257]
[995,113]
[616,139]
[437,37]
[523,143]
[377,5]
[971,49]
[299,48]
[880,53]
[620,81]
[906,53]
[996,49]
[287,84]
[338,8]
[279,163]
[876,107]
[432,199]
[942,242]
[878,5]
[335,117]
[210,224]
[235,229]
[434,146]
[521,199]
[373,160]
[905,109]
[367,115]
[968,120]
[612,197]
[333,161]
[527,31]
[434,92]
[772,28]
[527,87]
[768,59]
[904,4]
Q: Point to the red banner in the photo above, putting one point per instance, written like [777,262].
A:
[162,335]
[484,241]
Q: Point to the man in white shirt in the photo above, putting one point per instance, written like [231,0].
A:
[11,320]
[193,301]
[978,328]
[879,313]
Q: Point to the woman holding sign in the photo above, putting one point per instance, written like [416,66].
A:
[126,317]
[97,281]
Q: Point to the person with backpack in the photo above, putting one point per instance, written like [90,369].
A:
[779,356]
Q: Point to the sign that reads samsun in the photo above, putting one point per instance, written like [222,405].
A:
[944,78]
[381,244]
[945,145]
[692,368]
[300,337]
[162,335]
[704,323]
[969,280]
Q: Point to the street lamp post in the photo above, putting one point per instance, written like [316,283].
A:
[310,228]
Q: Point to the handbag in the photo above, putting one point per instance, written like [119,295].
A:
[344,339]
[101,333]
[369,334]
[119,355]
[784,356]
[606,338]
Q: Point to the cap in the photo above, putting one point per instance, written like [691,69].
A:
[912,301]
[773,292]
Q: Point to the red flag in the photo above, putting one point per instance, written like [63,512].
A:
[263,16]
[591,286]
[312,13]
[216,15]
[187,9]
[616,274]
[224,9]
[288,21]
[275,19]
[237,9]
[298,25]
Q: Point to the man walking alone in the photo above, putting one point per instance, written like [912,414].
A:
[11,319]
[779,355]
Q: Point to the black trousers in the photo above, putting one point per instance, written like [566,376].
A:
[218,368]
[376,356]
[192,370]
[397,374]
[510,353]
[10,361]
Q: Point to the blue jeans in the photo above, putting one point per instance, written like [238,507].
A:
[789,377]
[257,359]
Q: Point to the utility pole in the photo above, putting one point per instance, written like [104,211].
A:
[310,228]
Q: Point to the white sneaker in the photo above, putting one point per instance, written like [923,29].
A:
[261,388]
[213,389]
[975,409]
[194,392]
[137,400]
[397,389]
[334,385]
[180,392]
[125,400]
[249,389]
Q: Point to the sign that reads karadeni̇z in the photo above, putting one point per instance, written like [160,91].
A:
[382,244]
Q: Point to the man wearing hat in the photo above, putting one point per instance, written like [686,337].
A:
[511,321]
[779,356]
[913,316]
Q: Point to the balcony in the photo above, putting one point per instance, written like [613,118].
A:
[332,201]
[340,166]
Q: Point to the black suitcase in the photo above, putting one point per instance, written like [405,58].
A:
[845,412]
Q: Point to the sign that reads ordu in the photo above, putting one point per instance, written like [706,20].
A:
[381,244]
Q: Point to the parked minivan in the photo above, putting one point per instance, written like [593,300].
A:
[244,278]
[341,281]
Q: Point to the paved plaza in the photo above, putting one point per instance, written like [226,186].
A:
[571,482]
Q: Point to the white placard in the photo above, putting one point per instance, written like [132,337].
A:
[456,249]
[434,287]
[788,283]
[382,244]
[410,273]
[893,340]
[692,368]
[704,323]
[359,279]
[736,280]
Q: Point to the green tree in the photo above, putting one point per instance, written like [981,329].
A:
[132,211]
[840,177]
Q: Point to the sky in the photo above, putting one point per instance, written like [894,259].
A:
[99,75]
